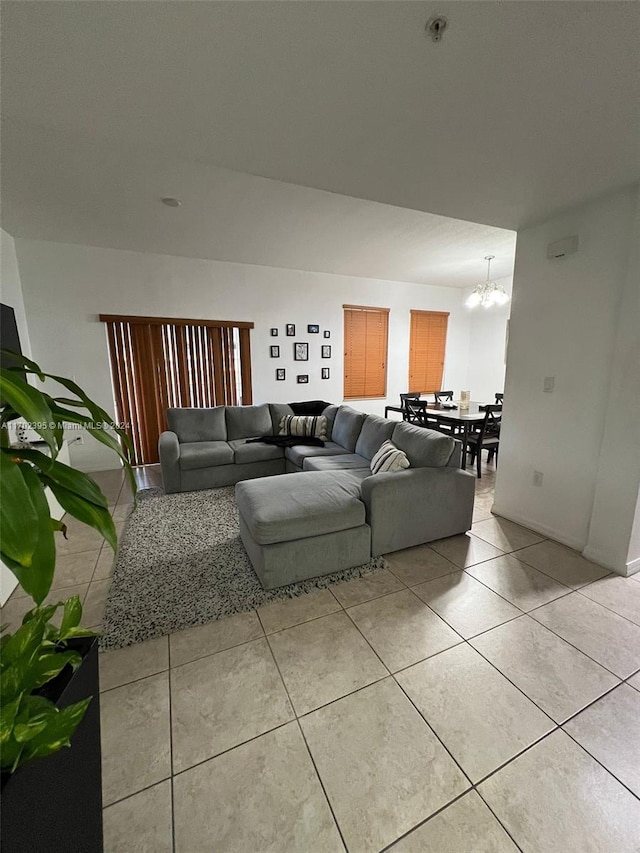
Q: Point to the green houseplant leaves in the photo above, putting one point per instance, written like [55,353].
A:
[31,726]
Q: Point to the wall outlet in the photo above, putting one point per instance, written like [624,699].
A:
[537,478]
[549,384]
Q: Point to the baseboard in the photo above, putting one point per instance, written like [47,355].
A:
[542,529]
[633,567]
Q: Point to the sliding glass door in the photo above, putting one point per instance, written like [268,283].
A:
[159,363]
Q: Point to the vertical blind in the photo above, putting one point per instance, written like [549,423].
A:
[365,351]
[159,363]
[426,350]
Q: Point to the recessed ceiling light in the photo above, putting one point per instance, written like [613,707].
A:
[171,202]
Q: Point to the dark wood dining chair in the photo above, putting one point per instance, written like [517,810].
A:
[443,396]
[420,415]
[499,398]
[486,438]
[409,395]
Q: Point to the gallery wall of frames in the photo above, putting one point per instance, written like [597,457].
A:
[310,349]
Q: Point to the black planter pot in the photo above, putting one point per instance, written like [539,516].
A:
[55,805]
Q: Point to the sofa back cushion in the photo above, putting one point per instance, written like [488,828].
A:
[346,427]
[248,421]
[198,424]
[425,448]
[278,411]
[375,431]
[330,414]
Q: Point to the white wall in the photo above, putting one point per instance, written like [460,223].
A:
[487,348]
[574,318]
[66,287]
[11,294]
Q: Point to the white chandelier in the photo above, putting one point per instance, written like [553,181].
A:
[489,292]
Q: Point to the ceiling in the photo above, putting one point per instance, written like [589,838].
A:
[522,108]
[67,189]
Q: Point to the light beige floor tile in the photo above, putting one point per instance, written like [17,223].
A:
[95,600]
[105,564]
[261,797]
[136,750]
[382,767]
[610,731]
[323,660]
[71,570]
[401,629]
[635,577]
[556,798]
[466,826]
[606,637]
[563,564]
[13,611]
[481,718]
[225,699]
[121,511]
[141,823]
[133,662]
[466,550]
[481,512]
[417,565]
[78,539]
[466,604]
[557,677]
[365,588]
[505,534]
[203,640]
[293,611]
[622,595]
[635,681]
[518,583]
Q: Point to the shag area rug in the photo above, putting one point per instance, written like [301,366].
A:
[181,562]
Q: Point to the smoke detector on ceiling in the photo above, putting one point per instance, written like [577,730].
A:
[436,26]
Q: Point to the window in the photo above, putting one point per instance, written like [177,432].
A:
[365,352]
[426,350]
[159,363]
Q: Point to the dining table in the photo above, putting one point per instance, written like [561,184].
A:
[452,414]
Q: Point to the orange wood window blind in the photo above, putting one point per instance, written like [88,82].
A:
[426,350]
[365,351]
[159,363]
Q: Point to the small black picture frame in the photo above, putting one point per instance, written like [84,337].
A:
[301,351]
[274,333]
[291,330]
[274,352]
[302,378]
[327,333]
[326,351]
[325,373]
[313,329]
[281,374]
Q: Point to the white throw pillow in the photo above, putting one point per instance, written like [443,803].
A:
[304,426]
[389,458]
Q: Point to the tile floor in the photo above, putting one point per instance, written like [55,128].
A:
[472,699]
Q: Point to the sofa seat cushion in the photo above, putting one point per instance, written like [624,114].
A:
[299,452]
[342,462]
[425,448]
[255,451]
[205,454]
[246,421]
[296,506]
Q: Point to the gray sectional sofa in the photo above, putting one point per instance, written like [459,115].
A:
[334,513]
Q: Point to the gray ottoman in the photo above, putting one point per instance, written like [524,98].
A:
[301,526]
